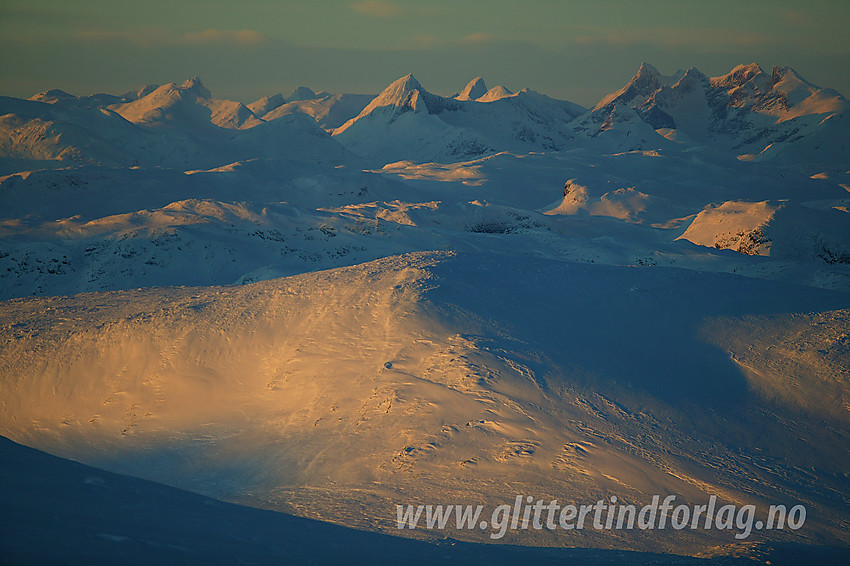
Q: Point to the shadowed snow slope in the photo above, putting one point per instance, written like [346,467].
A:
[457,378]
[98,518]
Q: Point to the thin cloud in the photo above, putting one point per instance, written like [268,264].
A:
[137,37]
[425,41]
[478,38]
[797,19]
[157,37]
[671,38]
[376,8]
[223,36]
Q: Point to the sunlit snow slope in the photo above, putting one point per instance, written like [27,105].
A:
[449,377]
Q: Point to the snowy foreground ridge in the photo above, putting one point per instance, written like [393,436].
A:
[250,332]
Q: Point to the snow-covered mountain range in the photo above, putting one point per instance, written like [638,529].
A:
[172,126]
[756,115]
[748,112]
[406,121]
[323,304]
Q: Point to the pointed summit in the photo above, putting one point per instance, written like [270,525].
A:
[473,90]
[408,79]
[643,84]
[400,93]
[647,70]
[495,93]
[403,95]
[195,86]
[648,79]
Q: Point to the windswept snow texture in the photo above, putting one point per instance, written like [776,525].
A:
[324,305]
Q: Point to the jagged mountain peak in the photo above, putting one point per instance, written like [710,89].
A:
[780,72]
[403,94]
[496,93]
[798,96]
[744,84]
[195,86]
[301,93]
[646,69]
[787,79]
[144,91]
[405,83]
[782,92]
[694,73]
[406,122]
[692,78]
[648,75]
[739,76]
[266,104]
[405,91]
[171,93]
[744,111]
[474,89]
[189,102]
[643,84]
[187,90]
[51,96]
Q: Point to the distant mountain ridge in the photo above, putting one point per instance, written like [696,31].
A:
[750,113]
[406,122]
[179,126]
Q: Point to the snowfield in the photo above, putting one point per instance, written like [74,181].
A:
[309,309]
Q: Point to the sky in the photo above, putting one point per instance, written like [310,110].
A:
[570,49]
